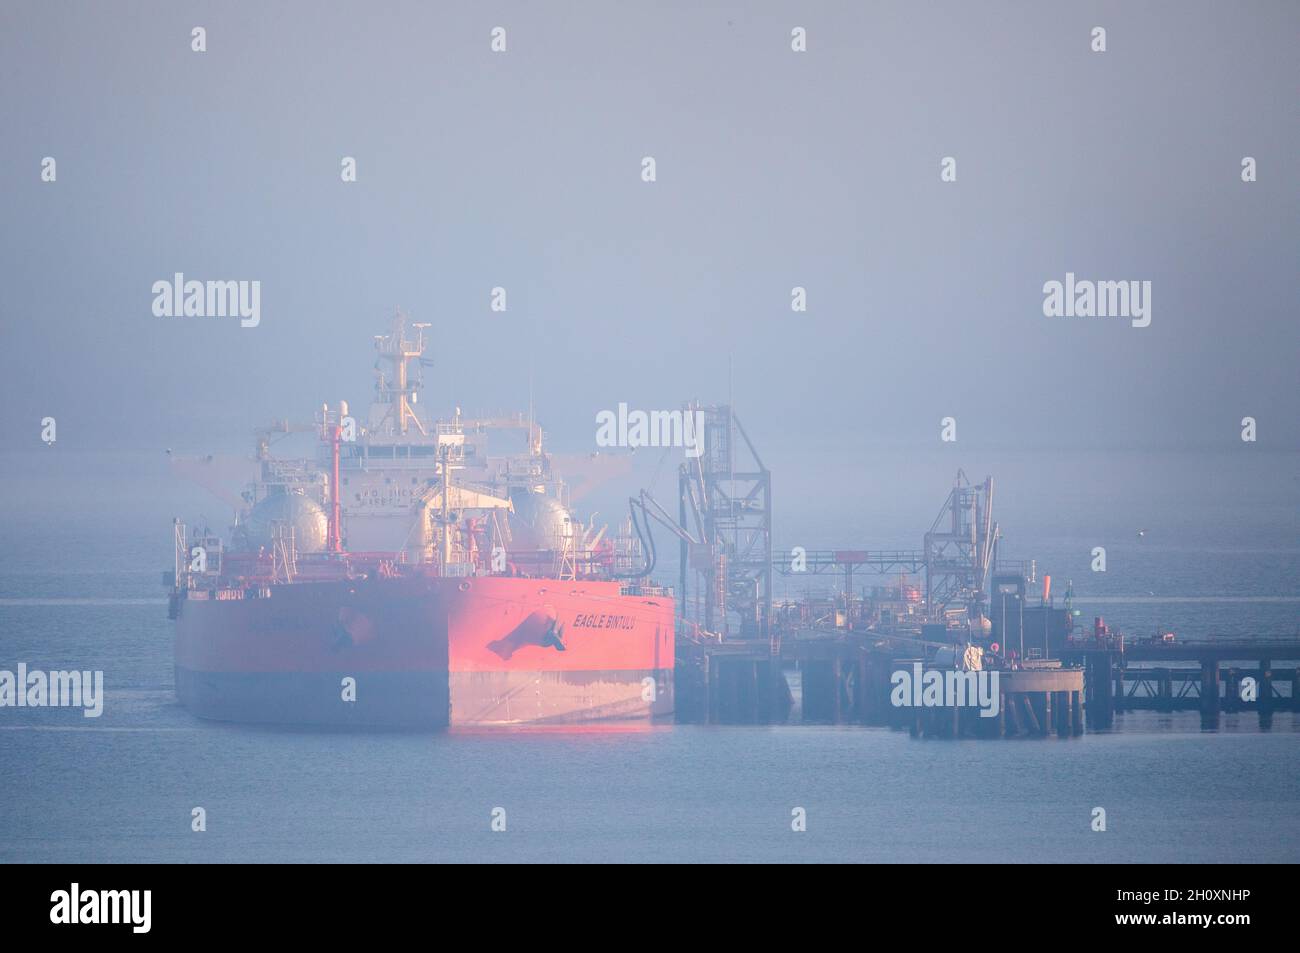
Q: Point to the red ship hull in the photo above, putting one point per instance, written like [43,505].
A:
[426,652]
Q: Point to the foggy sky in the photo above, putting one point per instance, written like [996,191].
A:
[775,169]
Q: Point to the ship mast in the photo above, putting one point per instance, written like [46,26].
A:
[398,350]
[331,433]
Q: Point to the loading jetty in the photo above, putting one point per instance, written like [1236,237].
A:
[849,678]
[952,639]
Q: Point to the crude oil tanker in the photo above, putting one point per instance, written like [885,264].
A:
[407,578]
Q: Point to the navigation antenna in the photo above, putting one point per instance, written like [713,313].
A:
[398,391]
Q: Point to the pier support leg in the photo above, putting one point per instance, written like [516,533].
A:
[1031,718]
[1209,694]
[711,689]
[863,689]
[1076,712]
[1101,691]
[820,690]
[837,685]
[1265,694]
[1011,708]
[784,697]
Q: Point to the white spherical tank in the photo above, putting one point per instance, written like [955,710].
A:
[539,522]
[293,509]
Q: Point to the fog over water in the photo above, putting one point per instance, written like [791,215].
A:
[522,170]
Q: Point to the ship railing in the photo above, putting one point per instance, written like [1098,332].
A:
[645,589]
[258,570]
[363,558]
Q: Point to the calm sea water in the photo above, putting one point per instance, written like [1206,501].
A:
[79,589]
